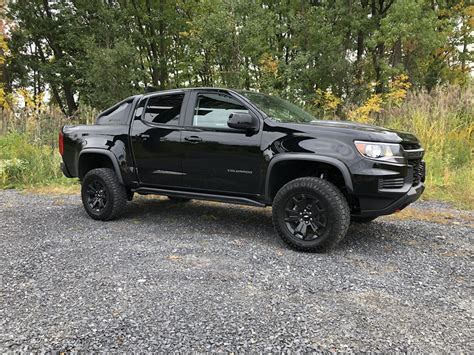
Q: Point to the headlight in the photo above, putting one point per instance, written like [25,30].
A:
[375,150]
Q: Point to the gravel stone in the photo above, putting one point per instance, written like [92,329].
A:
[204,276]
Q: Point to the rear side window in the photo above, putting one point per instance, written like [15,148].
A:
[164,109]
[118,115]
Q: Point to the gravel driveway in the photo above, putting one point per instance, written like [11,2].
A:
[206,276]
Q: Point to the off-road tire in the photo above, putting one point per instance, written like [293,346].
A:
[178,199]
[356,219]
[115,191]
[329,196]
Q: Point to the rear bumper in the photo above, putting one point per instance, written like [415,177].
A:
[411,196]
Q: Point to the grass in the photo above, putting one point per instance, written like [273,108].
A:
[443,120]
[54,189]
[24,164]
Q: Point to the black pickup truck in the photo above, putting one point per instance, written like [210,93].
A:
[248,148]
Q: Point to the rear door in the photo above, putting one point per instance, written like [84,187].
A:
[217,158]
[156,139]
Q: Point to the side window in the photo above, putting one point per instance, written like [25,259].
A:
[213,110]
[164,109]
[117,116]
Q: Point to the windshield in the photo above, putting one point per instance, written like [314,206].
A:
[278,109]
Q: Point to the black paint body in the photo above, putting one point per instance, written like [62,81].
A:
[240,166]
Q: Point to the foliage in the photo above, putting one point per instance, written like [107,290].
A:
[24,164]
[326,101]
[375,104]
[98,52]
[398,89]
[108,78]
[444,122]
[364,113]
[6,99]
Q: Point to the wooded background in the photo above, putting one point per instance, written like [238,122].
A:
[323,54]
[403,64]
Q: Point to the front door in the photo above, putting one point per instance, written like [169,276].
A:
[156,139]
[218,158]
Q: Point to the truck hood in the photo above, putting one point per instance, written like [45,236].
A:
[355,130]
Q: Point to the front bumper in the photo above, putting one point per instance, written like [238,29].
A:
[383,188]
[411,196]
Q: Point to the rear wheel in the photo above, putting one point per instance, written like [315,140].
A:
[103,196]
[311,214]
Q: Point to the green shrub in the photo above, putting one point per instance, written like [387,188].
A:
[23,163]
[443,120]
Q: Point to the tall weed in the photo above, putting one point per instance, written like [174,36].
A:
[25,164]
[443,120]
[29,154]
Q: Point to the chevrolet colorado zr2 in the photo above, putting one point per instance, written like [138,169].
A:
[247,148]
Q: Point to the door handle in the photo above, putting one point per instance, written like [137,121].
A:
[193,139]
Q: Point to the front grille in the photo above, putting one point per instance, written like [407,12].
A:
[391,183]
[411,146]
[418,171]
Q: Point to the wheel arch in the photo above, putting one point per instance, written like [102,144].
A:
[97,158]
[315,160]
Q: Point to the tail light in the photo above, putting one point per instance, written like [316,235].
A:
[61,142]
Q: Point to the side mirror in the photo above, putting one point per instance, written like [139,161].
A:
[242,121]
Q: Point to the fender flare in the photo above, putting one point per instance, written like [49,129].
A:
[107,153]
[308,157]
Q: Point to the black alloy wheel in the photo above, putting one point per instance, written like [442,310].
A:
[306,217]
[310,214]
[103,196]
[96,195]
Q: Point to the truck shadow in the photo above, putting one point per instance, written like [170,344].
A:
[212,218]
[237,221]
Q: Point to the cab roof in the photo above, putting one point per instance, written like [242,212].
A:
[152,91]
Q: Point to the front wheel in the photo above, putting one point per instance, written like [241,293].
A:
[310,214]
[103,196]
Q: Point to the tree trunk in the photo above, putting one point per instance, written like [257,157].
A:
[377,57]
[53,85]
[153,48]
[66,83]
[70,102]
[397,53]
[163,65]
[360,54]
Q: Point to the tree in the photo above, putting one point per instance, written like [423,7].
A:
[97,52]
[44,48]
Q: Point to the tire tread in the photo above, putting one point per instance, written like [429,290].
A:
[330,193]
[117,192]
